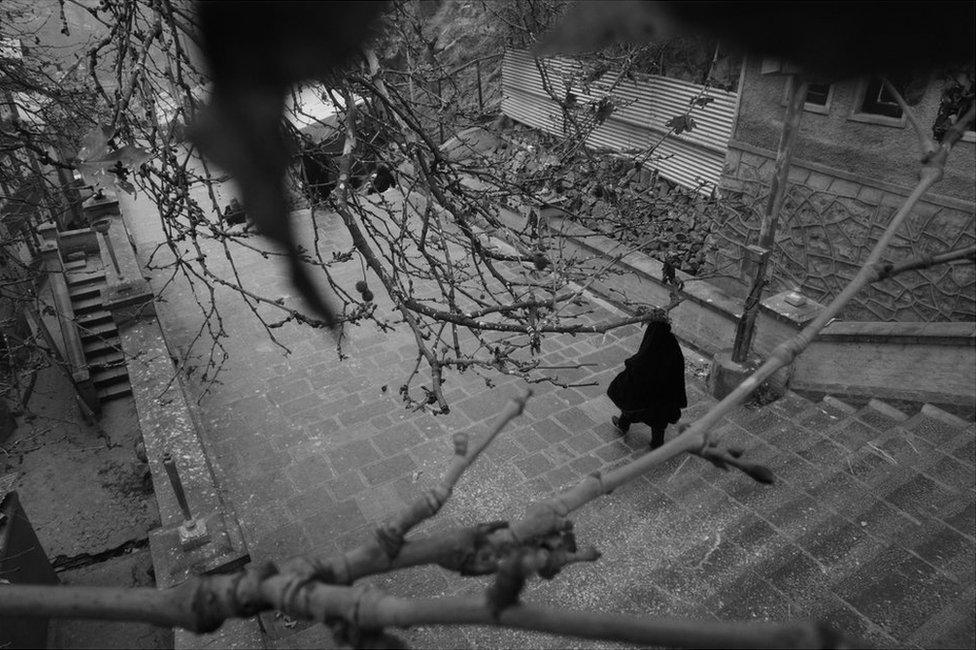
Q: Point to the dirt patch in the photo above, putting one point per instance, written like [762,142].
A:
[82,486]
[129,570]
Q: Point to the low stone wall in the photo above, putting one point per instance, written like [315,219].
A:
[926,362]
[831,219]
[168,425]
[920,362]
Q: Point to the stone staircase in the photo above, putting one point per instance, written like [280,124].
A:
[871,525]
[99,334]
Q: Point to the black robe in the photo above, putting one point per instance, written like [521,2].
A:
[651,388]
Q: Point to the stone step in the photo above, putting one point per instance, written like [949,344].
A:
[874,468]
[952,627]
[82,278]
[880,415]
[935,426]
[918,495]
[839,404]
[113,375]
[822,451]
[85,291]
[942,547]
[963,446]
[86,305]
[852,433]
[898,591]
[867,500]
[105,358]
[114,391]
[70,265]
[100,346]
[943,415]
[101,331]
[702,571]
[94,317]
[792,437]
[758,497]
[823,415]
[791,404]
[839,545]
[934,462]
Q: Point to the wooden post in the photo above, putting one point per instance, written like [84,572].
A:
[440,118]
[746,327]
[481,100]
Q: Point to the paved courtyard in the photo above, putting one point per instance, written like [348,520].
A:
[314,451]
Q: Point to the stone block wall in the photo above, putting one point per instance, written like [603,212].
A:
[831,220]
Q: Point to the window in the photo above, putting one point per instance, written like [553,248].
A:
[818,94]
[873,104]
[878,101]
[818,100]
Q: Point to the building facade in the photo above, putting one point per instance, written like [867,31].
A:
[855,161]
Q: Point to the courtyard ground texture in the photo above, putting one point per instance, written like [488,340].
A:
[86,496]
[314,452]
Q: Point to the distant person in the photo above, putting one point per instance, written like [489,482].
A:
[234,213]
[651,388]
[383,178]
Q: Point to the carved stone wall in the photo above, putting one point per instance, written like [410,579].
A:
[830,222]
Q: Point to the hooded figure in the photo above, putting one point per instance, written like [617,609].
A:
[651,388]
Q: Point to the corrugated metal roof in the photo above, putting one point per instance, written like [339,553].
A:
[642,107]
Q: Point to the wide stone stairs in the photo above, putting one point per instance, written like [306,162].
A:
[97,329]
[870,526]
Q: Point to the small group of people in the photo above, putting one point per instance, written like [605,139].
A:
[651,387]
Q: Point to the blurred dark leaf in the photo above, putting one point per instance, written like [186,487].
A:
[592,25]
[680,123]
[598,71]
[256,52]
[603,109]
[126,187]
[840,39]
[702,101]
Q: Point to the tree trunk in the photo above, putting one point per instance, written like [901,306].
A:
[746,327]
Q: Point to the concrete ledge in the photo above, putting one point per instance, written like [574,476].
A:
[168,425]
[909,368]
[948,334]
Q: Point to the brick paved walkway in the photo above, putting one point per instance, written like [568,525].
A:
[313,452]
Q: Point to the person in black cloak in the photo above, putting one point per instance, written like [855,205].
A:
[651,388]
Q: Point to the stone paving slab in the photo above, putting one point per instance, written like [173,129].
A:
[316,451]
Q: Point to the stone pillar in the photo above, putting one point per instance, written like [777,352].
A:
[781,317]
[100,206]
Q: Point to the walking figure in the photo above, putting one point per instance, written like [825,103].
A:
[234,213]
[651,388]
